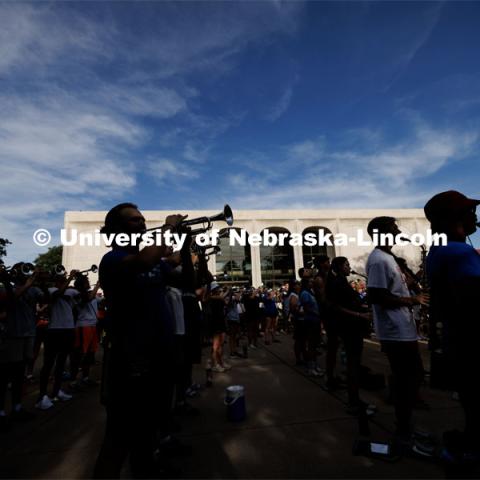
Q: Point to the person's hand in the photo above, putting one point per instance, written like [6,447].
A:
[422,299]
[173,221]
[31,279]
[73,273]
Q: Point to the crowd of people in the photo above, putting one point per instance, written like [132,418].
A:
[154,309]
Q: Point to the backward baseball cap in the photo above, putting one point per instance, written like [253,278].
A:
[448,204]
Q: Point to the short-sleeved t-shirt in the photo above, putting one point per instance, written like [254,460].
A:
[309,304]
[138,322]
[87,313]
[21,315]
[446,267]
[61,310]
[391,324]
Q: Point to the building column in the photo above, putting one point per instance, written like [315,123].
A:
[256,267]
[297,259]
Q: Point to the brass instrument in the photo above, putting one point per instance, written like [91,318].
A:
[58,270]
[226,216]
[25,269]
[93,269]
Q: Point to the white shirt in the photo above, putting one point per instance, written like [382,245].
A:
[61,311]
[87,314]
[395,324]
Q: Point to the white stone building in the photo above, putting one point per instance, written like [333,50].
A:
[258,264]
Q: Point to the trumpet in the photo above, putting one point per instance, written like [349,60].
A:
[93,269]
[58,270]
[207,222]
[25,269]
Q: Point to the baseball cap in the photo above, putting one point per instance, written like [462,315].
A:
[448,204]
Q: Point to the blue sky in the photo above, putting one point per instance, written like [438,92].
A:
[258,104]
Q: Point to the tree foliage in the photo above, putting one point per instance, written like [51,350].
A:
[52,257]
[3,247]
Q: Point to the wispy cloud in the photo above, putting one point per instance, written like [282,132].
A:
[167,170]
[281,106]
[89,93]
[363,175]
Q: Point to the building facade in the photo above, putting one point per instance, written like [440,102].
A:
[265,265]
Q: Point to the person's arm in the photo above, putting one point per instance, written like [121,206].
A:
[386,299]
[19,291]
[148,257]
[61,291]
[93,294]
[379,274]
[319,287]
[293,303]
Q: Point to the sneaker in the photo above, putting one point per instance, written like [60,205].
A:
[252,346]
[44,403]
[413,444]
[321,371]
[218,369]
[311,372]
[22,415]
[62,396]
[226,366]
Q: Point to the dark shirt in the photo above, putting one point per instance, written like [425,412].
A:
[340,294]
[137,323]
[448,268]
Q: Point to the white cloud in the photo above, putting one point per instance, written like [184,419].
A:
[366,174]
[281,106]
[169,171]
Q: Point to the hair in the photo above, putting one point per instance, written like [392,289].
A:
[337,263]
[382,224]
[320,259]
[80,281]
[114,219]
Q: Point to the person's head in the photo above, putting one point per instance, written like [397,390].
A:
[306,283]
[59,280]
[322,264]
[341,266]
[453,213]
[82,283]
[124,218]
[305,272]
[383,225]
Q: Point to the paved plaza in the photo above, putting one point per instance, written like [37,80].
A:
[294,429]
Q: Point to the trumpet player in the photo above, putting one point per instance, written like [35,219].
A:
[395,327]
[138,356]
[16,348]
[59,340]
[86,339]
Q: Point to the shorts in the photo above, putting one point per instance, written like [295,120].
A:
[86,339]
[14,350]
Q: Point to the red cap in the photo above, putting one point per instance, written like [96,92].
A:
[448,204]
